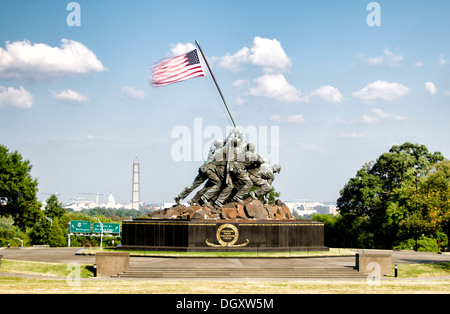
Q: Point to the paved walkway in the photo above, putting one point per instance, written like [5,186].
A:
[67,255]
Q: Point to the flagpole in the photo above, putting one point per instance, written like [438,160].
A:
[215,82]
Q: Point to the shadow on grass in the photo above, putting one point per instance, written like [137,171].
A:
[443,266]
[91,271]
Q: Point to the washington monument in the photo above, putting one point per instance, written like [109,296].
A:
[135,193]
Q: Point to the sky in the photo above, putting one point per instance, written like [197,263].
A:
[322,87]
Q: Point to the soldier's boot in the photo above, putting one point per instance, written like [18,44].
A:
[237,199]
[177,199]
[253,195]
[204,200]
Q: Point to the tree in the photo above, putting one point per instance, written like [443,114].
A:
[434,196]
[271,196]
[366,200]
[54,208]
[51,226]
[18,189]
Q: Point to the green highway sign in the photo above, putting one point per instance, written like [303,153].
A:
[107,227]
[80,226]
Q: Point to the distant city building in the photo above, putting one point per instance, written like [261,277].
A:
[308,208]
[110,204]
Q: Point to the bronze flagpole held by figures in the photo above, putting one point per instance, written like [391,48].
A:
[215,82]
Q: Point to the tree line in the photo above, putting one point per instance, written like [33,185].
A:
[21,216]
[51,228]
[400,201]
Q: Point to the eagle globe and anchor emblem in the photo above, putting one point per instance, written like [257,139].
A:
[227,235]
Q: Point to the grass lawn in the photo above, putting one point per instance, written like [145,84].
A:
[41,268]
[89,285]
[422,270]
[30,285]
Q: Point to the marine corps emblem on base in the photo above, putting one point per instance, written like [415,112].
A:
[227,236]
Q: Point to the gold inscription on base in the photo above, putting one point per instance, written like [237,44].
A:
[227,236]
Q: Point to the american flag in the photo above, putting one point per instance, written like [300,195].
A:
[177,69]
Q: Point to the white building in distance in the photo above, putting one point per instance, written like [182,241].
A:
[308,208]
[110,203]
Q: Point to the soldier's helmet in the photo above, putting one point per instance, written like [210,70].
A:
[218,143]
[276,168]
[251,147]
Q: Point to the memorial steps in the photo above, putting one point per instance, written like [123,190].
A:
[232,272]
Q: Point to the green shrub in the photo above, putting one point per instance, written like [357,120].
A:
[424,244]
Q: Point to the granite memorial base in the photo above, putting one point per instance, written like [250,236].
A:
[222,235]
[372,262]
[111,263]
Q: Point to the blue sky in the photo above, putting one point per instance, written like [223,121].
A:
[76,100]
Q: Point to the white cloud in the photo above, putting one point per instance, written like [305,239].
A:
[392,59]
[69,96]
[328,93]
[236,61]
[381,90]
[133,92]
[265,53]
[442,61]
[269,55]
[239,100]
[18,98]
[376,116]
[352,135]
[275,87]
[374,61]
[388,57]
[297,118]
[276,118]
[23,60]
[431,88]
[239,83]
[379,115]
[180,48]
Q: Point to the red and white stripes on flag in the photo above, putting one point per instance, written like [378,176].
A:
[177,69]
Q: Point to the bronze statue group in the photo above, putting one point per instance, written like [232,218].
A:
[231,170]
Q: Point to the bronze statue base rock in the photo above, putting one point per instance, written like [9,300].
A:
[249,209]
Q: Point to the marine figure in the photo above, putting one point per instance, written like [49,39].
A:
[208,171]
[263,176]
